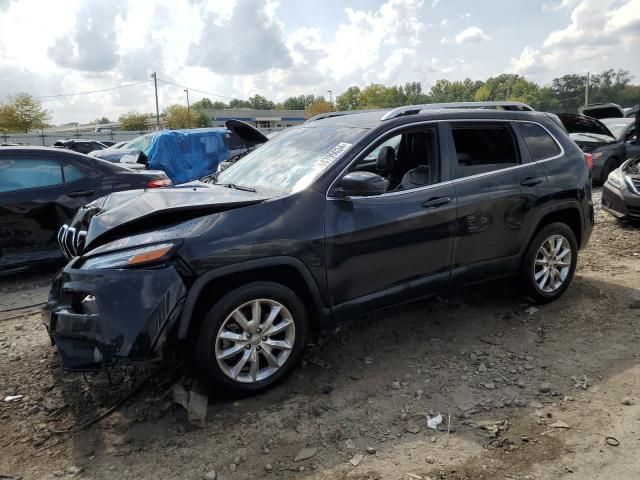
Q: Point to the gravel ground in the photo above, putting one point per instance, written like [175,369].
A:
[524,393]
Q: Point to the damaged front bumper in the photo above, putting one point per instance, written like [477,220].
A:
[622,203]
[97,316]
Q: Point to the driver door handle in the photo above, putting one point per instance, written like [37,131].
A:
[81,193]
[531,182]
[436,202]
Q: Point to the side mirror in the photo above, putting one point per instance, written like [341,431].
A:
[361,184]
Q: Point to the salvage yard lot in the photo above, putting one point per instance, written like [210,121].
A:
[510,378]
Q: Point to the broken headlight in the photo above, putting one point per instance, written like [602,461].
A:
[131,257]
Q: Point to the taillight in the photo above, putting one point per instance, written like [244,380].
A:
[588,158]
[163,182]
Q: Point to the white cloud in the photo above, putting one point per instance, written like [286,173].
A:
[92,44]
[249,42]
[600,34]
[471,34]
[443,22]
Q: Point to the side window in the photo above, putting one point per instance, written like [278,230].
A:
[23,174]
[407,160]
[71,173]
[541,145]
[482,148]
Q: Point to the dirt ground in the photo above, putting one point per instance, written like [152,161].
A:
[525,393]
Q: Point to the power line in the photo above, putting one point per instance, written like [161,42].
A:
[194,89]
[93,91]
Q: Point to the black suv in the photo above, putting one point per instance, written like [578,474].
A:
[328,220]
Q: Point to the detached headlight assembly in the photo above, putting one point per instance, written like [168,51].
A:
[131,257]
[616,178]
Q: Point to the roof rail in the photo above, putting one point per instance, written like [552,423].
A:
[321,116]
[415,109]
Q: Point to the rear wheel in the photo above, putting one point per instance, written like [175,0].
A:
[549,263]
[252,338]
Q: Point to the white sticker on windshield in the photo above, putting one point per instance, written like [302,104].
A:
[329,157]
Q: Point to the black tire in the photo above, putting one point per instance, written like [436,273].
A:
[527,270]
[205,354]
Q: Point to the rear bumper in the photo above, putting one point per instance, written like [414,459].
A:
[129,314]
[621,203]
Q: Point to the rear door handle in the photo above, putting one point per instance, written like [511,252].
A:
[531,182]
[436,202]
[82,193]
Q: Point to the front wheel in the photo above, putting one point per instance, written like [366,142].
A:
[549,263]
[252,338]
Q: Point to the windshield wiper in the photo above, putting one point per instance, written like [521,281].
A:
[235,186]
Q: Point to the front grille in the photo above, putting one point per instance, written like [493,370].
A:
[636,183]
[71,241]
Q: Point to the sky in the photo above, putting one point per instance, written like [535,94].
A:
[281,48]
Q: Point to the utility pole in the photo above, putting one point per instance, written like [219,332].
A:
[586,92]
[155,85]
[330,100]
[188,109]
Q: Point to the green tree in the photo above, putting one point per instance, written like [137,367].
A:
[178,116]
[258,102]
[133,121]
[202,119]
[8,119]
[569,91]
[298,103]
[319,106]
[22,113]
[237,103]
[203,103]
[413,93]
[101,121]
[349,99]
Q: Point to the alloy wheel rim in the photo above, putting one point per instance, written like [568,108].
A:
[255,340]
[552,263]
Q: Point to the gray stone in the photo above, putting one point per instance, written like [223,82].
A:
[371,450]
[268,467]
[233,467]
[535,404]
[395,385]
[489,385]
[482,368]
[73,470]
[545,388]
[305,453]
[627,401]
[212,475]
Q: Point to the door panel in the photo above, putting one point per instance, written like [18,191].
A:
[496,209]
[31,217]
[389,248]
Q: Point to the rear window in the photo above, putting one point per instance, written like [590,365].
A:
[23,174]
[541,145]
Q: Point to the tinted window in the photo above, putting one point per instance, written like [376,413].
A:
[71,173]
[19,174]
[483,148]
[540,143]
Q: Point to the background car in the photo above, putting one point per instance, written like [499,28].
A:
[593,137]
[624,130]
[41,189]
[186,155]
[80,146]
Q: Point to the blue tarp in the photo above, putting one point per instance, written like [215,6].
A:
[185,155]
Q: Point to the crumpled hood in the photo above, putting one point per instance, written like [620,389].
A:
[125,213]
